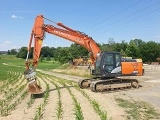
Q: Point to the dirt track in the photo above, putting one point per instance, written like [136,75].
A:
[149,92]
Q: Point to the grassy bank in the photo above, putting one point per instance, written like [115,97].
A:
[11,60]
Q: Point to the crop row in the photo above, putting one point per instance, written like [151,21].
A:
[77,107]
[13,89]
[16,91]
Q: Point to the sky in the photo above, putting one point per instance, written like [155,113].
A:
[103,20]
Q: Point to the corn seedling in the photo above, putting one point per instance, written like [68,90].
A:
[59,104]
[39,112]
[77,108]
[31,101]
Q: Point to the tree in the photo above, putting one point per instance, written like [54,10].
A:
[150,51]
[110,46]
[41,58]
[13,51]
[22,53]
[123,53]
[48,58]
[132,50]
[9,52]
[138,42]
[77,50]
[46,51]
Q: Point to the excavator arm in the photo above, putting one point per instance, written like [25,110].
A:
[107,72]
[37,36]
[38,33]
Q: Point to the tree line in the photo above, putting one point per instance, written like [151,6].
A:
[137,48]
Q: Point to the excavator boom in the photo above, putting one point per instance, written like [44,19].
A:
[107,65]
[37,36]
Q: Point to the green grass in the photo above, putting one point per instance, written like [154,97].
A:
[138,110]
[47,65]
[11,60]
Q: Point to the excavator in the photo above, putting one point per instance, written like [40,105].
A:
[108,66]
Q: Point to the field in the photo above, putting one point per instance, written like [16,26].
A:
[63,99]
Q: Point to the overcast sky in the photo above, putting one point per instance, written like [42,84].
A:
[100,19]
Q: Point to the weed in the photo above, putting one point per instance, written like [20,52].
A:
[138,109]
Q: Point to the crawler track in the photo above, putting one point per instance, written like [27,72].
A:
[109,84]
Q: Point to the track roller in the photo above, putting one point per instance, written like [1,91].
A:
[113,84]
[84,83]
[134,83]
[97,86]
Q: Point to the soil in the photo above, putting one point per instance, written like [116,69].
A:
[148,92]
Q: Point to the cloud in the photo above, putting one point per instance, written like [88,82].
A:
[7,42]
[158,36]
[15,17]
[45,45]
[7,45]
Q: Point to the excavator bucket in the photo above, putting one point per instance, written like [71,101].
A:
[33,88]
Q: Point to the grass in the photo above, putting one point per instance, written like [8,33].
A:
[11,60]
[73,70]
[138,110]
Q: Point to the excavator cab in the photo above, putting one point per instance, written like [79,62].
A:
[108,65]
[111,65]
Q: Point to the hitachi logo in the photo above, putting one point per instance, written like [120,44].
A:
[61,33]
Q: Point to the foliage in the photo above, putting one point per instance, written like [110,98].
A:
[11,60]
[22,53]
[136,48]
[132,50]
[12,52]
[48,58]
[41,58]
[138,110]
[150,51]
[47,51]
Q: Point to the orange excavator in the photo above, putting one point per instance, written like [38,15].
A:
[108,66]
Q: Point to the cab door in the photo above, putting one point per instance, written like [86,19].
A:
[111,63]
